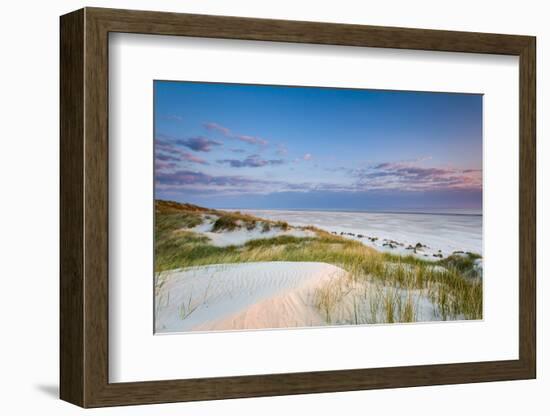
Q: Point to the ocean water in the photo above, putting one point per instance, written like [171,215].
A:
[440,233]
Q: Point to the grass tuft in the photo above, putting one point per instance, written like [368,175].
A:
[225,223]
[379,287]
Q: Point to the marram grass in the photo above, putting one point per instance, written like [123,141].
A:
[380,285]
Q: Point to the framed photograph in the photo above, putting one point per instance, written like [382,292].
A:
[255,207]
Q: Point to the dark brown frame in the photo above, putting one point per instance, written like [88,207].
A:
[84,207]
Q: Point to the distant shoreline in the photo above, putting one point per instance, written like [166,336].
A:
[356,211]
[221,270]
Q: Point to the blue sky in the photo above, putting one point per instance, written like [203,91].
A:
[252,146]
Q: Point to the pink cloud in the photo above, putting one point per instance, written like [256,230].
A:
[195,159]
[251,140]
[225,131]
[411,176]
[216,127]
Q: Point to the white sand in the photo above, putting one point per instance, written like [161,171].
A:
[243,235]
[277,294]
[441,233]
[241,296]
[266,295]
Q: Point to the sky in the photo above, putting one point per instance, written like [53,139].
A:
[277,147]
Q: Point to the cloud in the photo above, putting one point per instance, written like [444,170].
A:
[251,140]
[252,161]
[166,157]
[166,150]
[409,162]
[216,127]
[162,166]
[189,181]
[205,183]
[409,176]
[187,177]
[179,156]
[194,159]
[172,117]
[229,134]
[282,150]
[198,144]
[415,175]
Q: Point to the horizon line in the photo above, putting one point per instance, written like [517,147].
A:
[373,211]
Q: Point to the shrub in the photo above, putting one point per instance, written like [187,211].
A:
[225,222]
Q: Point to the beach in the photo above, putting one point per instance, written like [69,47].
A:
[253,296]
[247,270]
[439,232]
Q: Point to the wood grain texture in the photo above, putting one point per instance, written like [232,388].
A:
[162,23]
[527,208]
[84,207]
[96,208]
[71,100]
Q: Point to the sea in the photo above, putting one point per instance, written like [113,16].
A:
[439,233]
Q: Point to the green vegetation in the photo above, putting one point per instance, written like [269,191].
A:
[225,223]
[462,262]
[282,225]
[166,224]
[384,292]
[380,287]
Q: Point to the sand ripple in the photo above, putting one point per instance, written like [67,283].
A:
[241,296]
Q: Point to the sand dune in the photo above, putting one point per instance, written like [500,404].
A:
[290,294]
[241,296]
[242,235]
[441,233]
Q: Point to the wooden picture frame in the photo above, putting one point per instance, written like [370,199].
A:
[84,207]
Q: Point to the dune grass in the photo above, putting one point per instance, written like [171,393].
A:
[168,223]
[225,223]
[380,287]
